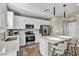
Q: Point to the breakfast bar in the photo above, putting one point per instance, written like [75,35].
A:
[47,40]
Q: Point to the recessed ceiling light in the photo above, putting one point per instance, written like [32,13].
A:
[77,4]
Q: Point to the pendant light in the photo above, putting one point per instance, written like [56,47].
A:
[54,10]
[64,11]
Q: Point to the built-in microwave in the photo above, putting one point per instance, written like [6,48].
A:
[29,26]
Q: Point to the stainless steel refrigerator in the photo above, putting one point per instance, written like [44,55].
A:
[45,30]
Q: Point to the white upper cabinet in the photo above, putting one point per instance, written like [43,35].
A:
[10,20]
[20,22]
[3,15]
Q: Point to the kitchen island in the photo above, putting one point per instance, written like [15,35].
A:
[45,42]
[9,47]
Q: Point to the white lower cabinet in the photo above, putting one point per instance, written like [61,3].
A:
[43,45]
[37,38]
[9,48]
[22,38]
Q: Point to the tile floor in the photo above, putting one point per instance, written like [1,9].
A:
[30,50]
[33,50]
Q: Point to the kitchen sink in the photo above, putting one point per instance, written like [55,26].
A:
[10,39]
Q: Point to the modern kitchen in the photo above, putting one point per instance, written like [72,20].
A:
[39,29]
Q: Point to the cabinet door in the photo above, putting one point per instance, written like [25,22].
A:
[10,20]
[22,38]
[43,45]
[3,15]
[19,23]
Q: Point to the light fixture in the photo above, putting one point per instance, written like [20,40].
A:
[54,10]
[64,11]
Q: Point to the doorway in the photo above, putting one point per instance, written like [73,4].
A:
[70,28]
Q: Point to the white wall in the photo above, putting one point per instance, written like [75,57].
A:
[77,30]
[56,25]
[77,26]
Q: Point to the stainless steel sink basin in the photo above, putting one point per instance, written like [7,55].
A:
[10,39]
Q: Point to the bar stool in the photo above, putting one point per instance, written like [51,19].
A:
[59,49]
[73,46]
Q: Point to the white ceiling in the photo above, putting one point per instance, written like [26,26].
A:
[38,9]
[70,7]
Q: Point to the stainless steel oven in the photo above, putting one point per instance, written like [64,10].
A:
[29,38]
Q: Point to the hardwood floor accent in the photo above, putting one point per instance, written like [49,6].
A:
[73,52]
[33,50]
[29,50]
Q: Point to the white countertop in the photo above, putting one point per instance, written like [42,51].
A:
[65,37]
[46,40]
[57,39]
[11,36]
[53,40]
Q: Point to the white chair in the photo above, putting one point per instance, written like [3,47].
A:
[59,49]
[73,46]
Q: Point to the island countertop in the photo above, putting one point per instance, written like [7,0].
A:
[45,42]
